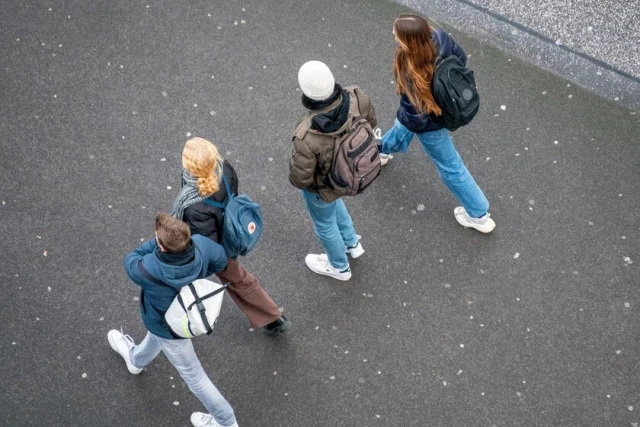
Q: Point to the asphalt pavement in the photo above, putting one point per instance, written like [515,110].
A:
[535,324]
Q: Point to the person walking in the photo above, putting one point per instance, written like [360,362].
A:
[203,169]
[414,65]
[330,114]
[176,259]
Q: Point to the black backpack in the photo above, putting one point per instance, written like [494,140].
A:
[454,90]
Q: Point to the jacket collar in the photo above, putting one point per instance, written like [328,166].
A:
[182,258]
[326,105]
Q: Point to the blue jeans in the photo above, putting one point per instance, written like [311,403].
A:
[453,172]
[333,226]
[183,357]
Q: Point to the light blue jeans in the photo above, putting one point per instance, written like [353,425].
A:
[183,357]
[333,226]
[453,172]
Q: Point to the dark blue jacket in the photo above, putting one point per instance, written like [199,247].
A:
[207,258]
[407,113]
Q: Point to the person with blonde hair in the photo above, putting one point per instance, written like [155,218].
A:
[419,47]
[203,169]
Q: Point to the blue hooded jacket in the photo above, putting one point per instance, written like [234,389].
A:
[207,258]
[407,113]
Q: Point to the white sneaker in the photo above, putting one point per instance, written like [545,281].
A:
[199,419]
[355,251]
[121,344]
[384,158]
[320,264]
[484,224]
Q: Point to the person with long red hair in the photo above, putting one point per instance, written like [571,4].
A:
[419,46]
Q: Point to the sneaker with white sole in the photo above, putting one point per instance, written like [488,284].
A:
[320,264]
[121,344]
[355,251]
[199,419]
[384,158]
[484,224]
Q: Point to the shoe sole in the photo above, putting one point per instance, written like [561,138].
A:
[331,275]
[385,160]
[270,332]
[324,273]
[197,423]
[348,251]
[132,369]
[357,255]
[486,228]
[282,329]
[480,228]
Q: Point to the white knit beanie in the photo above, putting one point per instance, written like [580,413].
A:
[316,80]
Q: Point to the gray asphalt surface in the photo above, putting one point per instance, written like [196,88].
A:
[533,325]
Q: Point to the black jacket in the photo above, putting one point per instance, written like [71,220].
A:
[407,113]
[205,219]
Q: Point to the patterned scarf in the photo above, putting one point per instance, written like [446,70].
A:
[188,195]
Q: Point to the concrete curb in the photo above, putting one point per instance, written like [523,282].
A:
[533,47]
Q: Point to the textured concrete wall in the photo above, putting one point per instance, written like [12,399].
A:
[608,30]
[594,43]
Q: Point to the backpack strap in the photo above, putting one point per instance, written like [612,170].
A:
[201,309]
[143,271]
[354,108]
[221,205]
[213,203]
[303,127]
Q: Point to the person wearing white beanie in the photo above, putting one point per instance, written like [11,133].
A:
[329,115]
[316,80]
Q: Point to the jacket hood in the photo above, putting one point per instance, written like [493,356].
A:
[174,275]
[330,116]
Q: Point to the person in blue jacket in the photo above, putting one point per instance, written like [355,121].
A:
[414,65]
[176,259]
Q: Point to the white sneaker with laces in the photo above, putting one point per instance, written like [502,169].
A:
[121,344]
[384,158]
[199,419]
[484,224]
[320,264]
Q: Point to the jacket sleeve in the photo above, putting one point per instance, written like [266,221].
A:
[448,46]
[366,107]
[215,254]
[410,117]
[302,166]
[458,51]
[134,257]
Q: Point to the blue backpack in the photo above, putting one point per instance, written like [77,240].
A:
[242,222]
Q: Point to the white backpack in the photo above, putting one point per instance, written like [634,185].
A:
[195,310]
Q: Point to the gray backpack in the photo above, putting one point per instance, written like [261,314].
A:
[356,159]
